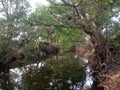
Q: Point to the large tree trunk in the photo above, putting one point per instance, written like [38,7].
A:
[104,57]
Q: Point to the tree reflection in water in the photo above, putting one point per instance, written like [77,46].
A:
[5,82]
[64,74]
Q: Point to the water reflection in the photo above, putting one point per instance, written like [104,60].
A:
[88,81]
[58,76]
[5,82]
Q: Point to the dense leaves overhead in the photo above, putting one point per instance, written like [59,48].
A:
[66,23]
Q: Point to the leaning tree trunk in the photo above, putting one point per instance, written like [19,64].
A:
[104,56]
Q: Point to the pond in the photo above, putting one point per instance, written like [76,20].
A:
[64,74]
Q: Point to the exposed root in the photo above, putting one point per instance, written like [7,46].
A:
[106,72]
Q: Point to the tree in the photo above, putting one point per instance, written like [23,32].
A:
[57,74]
[95,19]
[12,16]
[49,28]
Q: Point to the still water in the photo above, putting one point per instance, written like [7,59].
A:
[16,78]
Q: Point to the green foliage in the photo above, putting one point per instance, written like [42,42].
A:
[5,82]
[13,22]
[116,43]
[13,18]
[37,78]
[53,15]
[67,69]
[70,26]
[61,71]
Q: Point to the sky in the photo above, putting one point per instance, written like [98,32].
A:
[34,2]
